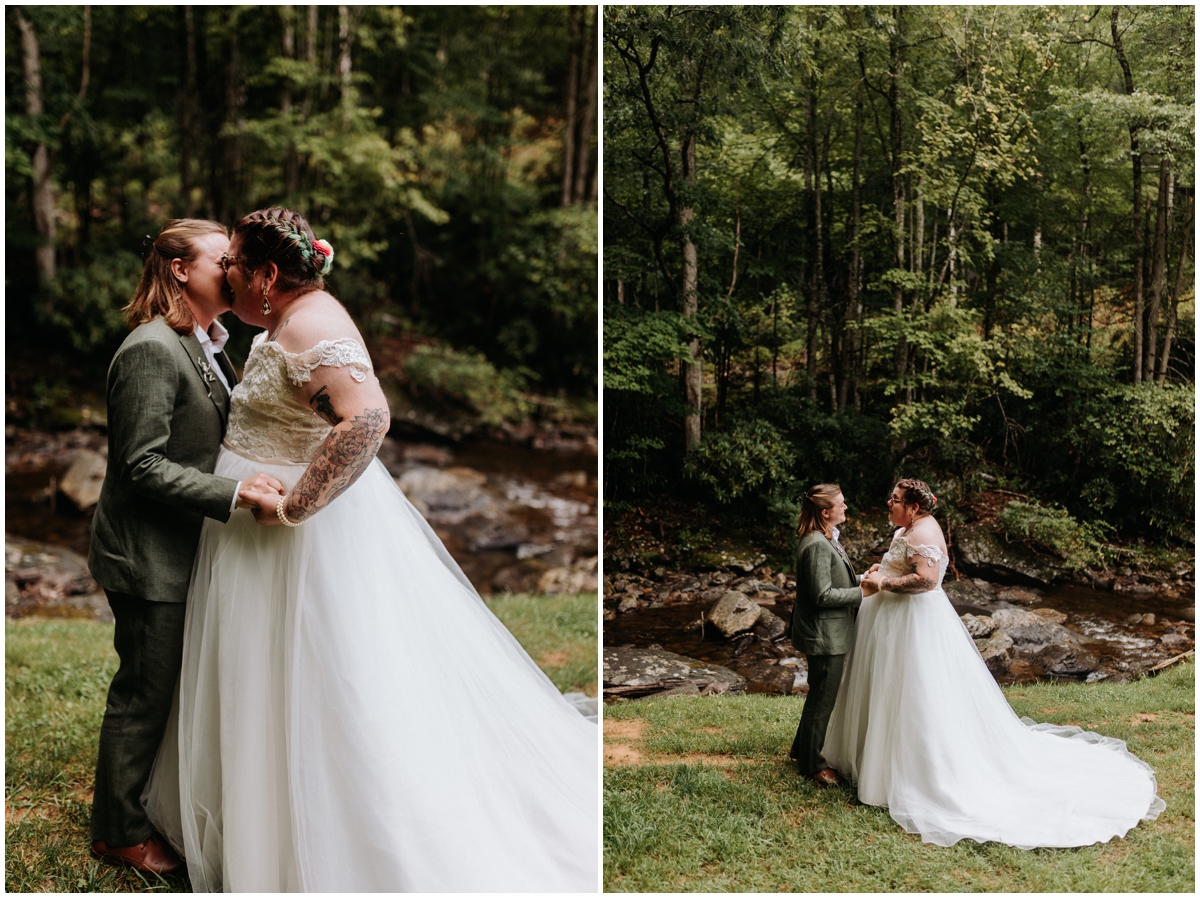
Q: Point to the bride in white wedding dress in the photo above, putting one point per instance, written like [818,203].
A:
[351,716]
[921,728]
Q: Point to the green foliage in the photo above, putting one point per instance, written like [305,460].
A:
[85,303]
[1140,456]
[750,460]
[913,250]
[434,169]
[1053,528]
[637,349]
[468,379]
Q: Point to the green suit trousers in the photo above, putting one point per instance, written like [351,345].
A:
[824,678]
[149,642]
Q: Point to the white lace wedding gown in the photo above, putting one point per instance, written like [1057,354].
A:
[922,729]
[351,716]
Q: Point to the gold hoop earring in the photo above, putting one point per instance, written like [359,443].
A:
[266,306]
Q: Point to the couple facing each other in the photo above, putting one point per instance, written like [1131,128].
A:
[284,716]
[902,705]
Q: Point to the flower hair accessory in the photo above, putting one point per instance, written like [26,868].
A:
[317,253]
[323,249]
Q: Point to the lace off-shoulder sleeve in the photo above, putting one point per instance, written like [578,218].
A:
[345,352]
[933,553]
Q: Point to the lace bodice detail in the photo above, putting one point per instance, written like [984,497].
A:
[897,561]
[266,420]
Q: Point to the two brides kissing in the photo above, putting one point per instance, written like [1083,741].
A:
[283,718]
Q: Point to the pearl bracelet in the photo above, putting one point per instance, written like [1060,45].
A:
[282,517]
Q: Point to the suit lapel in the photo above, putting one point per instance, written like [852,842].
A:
[844,559]
[208,378]
[227,367]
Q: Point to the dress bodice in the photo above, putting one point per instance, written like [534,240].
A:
[897,561]
[266,420]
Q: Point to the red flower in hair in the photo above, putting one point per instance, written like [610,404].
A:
[323,248]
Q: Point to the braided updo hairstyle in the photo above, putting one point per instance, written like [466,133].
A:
[812,503]
[917,492]
[285,238]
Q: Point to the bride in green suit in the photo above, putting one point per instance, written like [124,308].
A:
[827,597]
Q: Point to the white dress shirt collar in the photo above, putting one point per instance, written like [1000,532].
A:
[213,341]
[216,334]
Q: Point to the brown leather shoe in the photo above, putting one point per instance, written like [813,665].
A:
[152,856]
[826,777]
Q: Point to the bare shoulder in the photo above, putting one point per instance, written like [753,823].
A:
[927,532]
[315,318]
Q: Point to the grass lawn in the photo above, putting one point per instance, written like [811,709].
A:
[56,678]
[699,796]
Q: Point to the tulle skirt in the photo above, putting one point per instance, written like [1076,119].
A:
[352,717]
[921,728]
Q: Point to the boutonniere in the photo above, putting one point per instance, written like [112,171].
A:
[205,371]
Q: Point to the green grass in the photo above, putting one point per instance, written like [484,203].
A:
[558,632]
[56,678]
[713,806]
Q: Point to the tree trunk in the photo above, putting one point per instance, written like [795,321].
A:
[310,56]
[817,240]
[1158,269]
[227,190]
[896,72]
[572,93]
[853,303]
[1134,127]
[692,372]
[345,67]
[291,161]
[1173,315]
[189,130]
[588,125]
[42,200]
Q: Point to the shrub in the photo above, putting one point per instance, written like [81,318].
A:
[751,460]
[1138,445]
[468,379]
[1053,528]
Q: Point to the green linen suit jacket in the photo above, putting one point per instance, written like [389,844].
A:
[826,596]
[166,418]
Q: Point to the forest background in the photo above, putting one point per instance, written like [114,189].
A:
[848,244]
[448,154]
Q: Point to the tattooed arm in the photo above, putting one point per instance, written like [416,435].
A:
[912,584]
[924,577]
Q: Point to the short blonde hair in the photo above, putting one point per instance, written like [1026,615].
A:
[817,499]
[158,292]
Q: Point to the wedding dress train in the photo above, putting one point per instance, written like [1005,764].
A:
[351,716]
[921,728]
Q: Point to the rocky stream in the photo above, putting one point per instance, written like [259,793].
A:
[724,630]
[516,518]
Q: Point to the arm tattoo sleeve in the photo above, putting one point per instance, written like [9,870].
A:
[910,584]
[340,461]
[323,407]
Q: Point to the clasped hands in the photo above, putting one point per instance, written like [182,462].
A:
[871,581]
[261,494]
